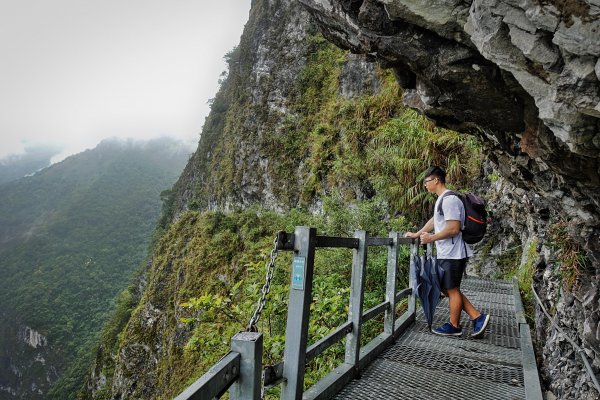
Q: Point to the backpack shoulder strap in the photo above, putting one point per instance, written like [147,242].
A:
[447,193]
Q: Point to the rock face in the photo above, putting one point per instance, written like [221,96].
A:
[522,239]
[34,338]
[238,161]
[273,33]
[31,351]
[524,76]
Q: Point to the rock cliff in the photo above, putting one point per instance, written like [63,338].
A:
[253,146]
[523,75]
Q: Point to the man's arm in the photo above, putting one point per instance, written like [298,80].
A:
[452,229]
[428,227]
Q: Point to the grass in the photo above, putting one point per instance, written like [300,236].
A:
[571,259]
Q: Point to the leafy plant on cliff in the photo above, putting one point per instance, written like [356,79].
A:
[571,258]
[208,271]
[323,142]
[369,143]
[405,146]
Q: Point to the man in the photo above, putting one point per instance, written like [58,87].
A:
[452,253]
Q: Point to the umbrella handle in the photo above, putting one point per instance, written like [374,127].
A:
[425,249]
[423,245]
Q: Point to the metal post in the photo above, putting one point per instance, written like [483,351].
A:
[296,337]
[359,269]
[248,384]
[390,289]
[412,278]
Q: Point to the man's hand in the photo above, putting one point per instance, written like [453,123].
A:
[426,228]
[426,237]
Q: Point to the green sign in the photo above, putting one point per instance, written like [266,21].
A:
[298,273]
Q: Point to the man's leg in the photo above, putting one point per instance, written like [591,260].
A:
[451,287]
[468,307]
[455,301]
[459,302]
[479,319]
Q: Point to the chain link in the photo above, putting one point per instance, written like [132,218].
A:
[265,289]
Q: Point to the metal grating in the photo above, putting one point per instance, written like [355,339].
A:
[479,298]
[421,365]
[484,285]
[474,349]
[437,360]
[385,380]
[489,338]
[496,311]
[497,325]
[503,329]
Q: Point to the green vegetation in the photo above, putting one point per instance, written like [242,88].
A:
[208,271]
[70,238]
[493,177]
[324,143]
[513,263]
[525,279]
[524,273]
[571,259]
[508,262]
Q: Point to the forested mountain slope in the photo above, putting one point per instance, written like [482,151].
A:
[70,237]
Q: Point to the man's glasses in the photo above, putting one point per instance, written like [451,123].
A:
[426,181]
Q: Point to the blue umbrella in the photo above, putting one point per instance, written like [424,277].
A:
[428,277]
[414,272]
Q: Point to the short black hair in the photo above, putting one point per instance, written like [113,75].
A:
[436,171]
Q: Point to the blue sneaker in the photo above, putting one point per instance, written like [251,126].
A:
[479,325]
[447,330]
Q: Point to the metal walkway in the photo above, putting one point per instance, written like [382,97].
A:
[421,365]
[405,361]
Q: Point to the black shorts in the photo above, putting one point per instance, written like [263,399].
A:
[453,272]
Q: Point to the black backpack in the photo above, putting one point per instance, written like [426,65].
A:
[475,215]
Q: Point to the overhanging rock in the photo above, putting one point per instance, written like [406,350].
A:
[523,75]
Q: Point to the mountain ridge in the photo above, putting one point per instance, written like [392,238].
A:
[72,235]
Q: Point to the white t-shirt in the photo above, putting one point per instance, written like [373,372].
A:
[454,247]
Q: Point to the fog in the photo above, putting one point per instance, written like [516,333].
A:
[75,72]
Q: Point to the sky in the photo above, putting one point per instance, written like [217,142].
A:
[73,72]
